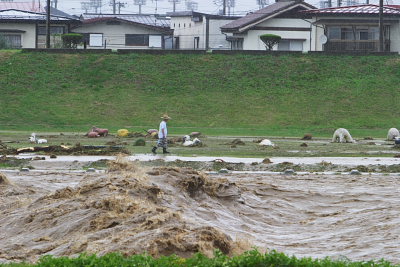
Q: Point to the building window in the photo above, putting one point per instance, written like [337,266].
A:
[137,39]
[334,33]
[53,30]
[237,44]
[12,40]
[96,39]
[290,45]
[176,43]
[196,42]
[356,38]
[353,33]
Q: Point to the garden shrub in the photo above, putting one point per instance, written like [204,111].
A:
[71,40]
[270,40]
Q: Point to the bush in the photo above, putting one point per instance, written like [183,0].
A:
[140,142]
[71,40]
[270,40]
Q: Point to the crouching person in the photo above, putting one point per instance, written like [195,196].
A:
[162,135]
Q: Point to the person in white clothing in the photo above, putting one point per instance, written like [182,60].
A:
[162,135]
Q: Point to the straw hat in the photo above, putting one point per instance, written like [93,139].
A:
[166,117]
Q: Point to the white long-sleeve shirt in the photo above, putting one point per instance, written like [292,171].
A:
[163,126]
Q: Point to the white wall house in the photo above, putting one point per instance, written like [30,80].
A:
[194,30]
[354,28]
[281,18]
[129,31]
[24,29]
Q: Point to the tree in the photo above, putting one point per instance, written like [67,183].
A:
[270,40]
[71,40]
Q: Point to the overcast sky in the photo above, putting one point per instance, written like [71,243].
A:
[206,6]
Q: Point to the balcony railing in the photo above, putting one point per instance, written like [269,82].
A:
[355,45]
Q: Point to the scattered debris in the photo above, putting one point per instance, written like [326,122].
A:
[307,136]
[266,142]
[342,135]
[33,139]
[289,172]
[52,156]
[136,134]
[195,134]
[75,150]
[368,138]
[122,133]
[24,170]
[355,172]
[266,161]
[3,179]
[100,131]
[392,134]
[223,171]
[91,170]
[93,134]
[304,145]
[191,143]
[236,142]
[139,142]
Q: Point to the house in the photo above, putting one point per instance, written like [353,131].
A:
[24,6]
[27,29]
[354,28]
[282,18]
[125,31]
[195,30]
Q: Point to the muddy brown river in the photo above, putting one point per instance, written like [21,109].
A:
[132,209]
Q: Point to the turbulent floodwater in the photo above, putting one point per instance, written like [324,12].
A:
[177,210]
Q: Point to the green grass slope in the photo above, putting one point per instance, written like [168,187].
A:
[218,94]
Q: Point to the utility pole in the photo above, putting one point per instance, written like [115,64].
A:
[224,7]
[120,5]
[381,48]
[48,25]
[114,5]
[54,3]
[174,2]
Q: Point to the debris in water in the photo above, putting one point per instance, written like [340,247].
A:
[223,171]
[355,172]
[289,172]
[3,179]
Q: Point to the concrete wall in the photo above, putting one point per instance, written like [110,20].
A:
[114,35]
[28,38]
[395,37]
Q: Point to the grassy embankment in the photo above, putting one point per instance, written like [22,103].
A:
[217,94]
[248,259]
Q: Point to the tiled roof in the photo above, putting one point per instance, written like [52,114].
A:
[262,14]
[354,10]
[150,20]
[26,6]
[13,14]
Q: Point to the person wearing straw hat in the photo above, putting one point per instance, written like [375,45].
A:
[162,135]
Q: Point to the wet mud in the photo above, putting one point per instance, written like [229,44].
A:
[163,210]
